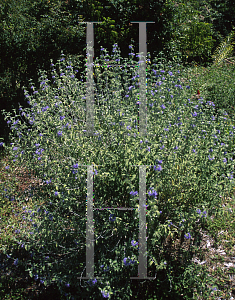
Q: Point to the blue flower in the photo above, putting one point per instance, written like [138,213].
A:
[204,213]
[133,193]
[132,261]
[199,211]
[125,262]
[133,243]
[187,236]
[45,108]
[104,294]
[16,262]
[39,151]
[15,122]
[59,133]
[158,168]
[128,263]
[111,218]
[153,193]
[93,282]
[36,277]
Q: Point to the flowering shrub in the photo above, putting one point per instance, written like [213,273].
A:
[188,159]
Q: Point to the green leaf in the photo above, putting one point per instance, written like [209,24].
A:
[224,49]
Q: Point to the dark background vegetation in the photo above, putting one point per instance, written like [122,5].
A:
[33,32]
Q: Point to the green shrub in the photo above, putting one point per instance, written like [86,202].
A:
[189,166]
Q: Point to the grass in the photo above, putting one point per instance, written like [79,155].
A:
[215,84]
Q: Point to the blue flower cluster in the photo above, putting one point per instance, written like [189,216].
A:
[126,263]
